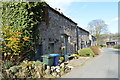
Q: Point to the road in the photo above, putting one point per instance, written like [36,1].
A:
[103,66]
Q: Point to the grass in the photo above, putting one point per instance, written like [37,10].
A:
[86,52]
[116,47]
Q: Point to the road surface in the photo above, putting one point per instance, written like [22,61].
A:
[103,66]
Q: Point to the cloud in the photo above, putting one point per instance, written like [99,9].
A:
[68,2]
[84,6]
[107,23]
[63,4]
[115,19]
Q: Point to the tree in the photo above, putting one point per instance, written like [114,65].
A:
[97,27]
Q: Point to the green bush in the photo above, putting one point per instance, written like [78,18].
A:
[27,69]
[6,65]
[86,52]
[19,29]
[61,58]
[101,45]
[37,63]
[76,55]
[14,68]
[116,47]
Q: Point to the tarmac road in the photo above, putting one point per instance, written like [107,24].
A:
[103,66]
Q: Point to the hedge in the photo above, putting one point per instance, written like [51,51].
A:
[86,52]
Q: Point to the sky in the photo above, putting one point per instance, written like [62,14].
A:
[82,11]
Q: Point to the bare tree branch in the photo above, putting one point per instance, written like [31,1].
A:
[96,27]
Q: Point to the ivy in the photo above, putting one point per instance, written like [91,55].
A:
[19,28]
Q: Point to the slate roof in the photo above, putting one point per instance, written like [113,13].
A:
[60,13]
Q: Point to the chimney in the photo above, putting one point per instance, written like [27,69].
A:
[59,9]
[56,9]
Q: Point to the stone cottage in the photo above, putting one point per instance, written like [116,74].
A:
[93,41]
[83,38]
[58,34]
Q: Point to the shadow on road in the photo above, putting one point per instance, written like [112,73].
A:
[112,74]
[116,51]
[112,51]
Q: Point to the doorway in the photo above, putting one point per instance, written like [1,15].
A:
[39,52]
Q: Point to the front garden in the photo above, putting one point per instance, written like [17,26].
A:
[37,69]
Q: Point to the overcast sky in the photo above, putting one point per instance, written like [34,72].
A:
[82,11]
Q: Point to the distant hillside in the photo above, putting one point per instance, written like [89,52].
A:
[107,37]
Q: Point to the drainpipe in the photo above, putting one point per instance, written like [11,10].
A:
[77,38]
[65,49]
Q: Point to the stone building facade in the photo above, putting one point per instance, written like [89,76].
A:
[83,38]
[93,41]
[60,35]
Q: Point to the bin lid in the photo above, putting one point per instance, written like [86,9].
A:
[46,56]
[54,54]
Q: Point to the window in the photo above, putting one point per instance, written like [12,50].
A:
[51,48]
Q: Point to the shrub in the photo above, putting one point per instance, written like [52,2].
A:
[61,58]
[15,46]
[95,49]
[14,68]
[117,47]
[76,55]
[86,52]
[37,63]
[6,65]
[101,45]
[27,69]
[19,30]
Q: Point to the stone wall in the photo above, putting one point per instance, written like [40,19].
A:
[83,38]
[58,32]
[58,25]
